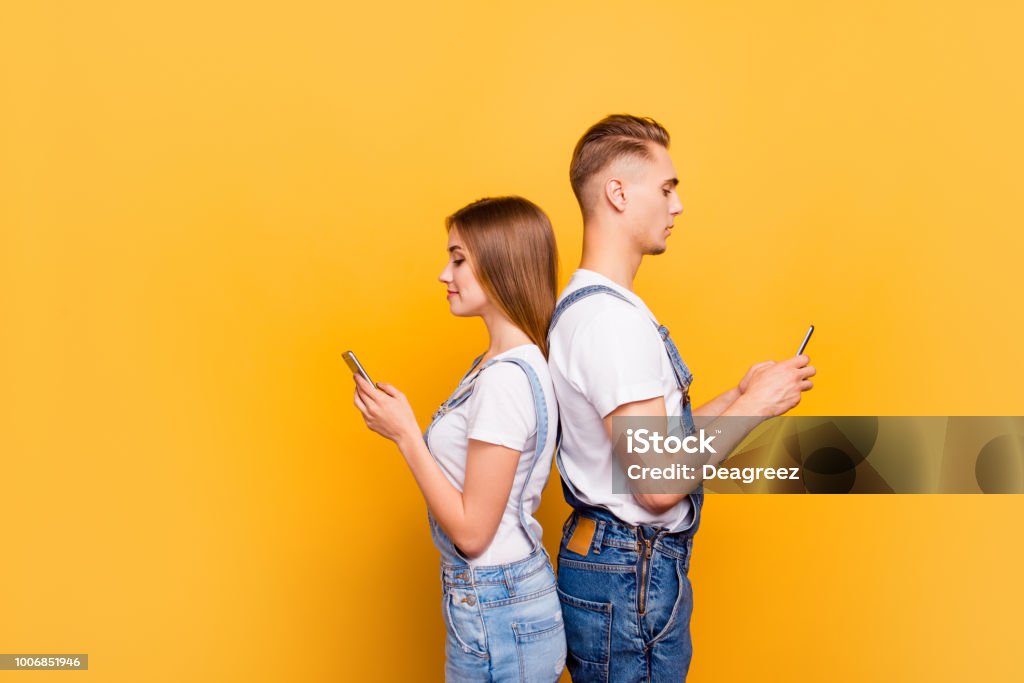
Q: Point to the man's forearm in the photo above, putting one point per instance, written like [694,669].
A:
[718,404]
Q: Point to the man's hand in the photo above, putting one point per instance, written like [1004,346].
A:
[775,388]
[745,382]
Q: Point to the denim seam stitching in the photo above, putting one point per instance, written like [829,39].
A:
[511,601]
[455,632]
[597,566]
[675,610]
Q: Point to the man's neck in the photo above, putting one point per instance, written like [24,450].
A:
[604,254]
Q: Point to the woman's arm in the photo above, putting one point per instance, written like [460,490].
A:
[470,517]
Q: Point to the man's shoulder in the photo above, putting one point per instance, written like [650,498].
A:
[600,310]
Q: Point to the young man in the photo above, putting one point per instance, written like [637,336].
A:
[624,557]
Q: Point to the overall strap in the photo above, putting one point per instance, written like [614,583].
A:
[541,408]
[462,394]
[577,295]
[563,305]
[679,369]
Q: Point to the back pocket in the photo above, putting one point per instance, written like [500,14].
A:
[540,646]
[588,634]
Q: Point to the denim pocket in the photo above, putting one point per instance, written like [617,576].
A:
[463,621]
[588,634]
[540,646]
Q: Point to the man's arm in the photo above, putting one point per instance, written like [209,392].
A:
[719,404]
[724,401]
[656,503]
[771,389]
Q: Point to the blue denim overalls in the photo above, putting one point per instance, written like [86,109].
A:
[503,622]
[627,601]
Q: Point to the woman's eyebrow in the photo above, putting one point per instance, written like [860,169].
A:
[453,248]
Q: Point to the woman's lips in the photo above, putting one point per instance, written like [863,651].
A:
[451,294]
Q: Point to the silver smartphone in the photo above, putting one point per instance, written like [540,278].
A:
[356,367]
[807,338]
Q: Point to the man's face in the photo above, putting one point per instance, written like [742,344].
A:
[652,202]
[465,295]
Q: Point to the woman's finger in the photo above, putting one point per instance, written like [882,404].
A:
[359,403]
[366,390]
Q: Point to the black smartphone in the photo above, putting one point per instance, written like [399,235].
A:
[810,330]
[355,366]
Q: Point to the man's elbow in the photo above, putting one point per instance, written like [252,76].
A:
[657,503]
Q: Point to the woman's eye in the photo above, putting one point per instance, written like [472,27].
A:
[458,261]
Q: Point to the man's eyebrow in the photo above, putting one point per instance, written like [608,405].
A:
[674,181]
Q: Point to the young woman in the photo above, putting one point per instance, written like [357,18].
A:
[486,455]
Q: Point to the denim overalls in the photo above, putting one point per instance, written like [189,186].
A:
[503,622]
[627,601]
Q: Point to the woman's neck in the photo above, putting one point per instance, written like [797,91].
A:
[502,335]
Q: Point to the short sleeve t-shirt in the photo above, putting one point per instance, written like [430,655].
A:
[501,411]
[604,353]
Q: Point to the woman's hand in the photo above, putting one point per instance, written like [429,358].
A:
[386,410]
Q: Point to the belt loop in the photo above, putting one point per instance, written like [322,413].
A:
[598,537]
[510,583]
[570,520]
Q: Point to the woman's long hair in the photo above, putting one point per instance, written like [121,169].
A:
[513,250]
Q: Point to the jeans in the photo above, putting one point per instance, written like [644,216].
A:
[503,623]
[627,601]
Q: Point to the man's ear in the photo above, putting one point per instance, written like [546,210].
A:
[615,192]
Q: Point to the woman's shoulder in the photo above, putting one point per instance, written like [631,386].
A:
[507,373]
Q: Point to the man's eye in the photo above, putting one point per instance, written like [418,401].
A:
[665,192]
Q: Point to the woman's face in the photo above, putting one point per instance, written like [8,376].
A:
[465,295]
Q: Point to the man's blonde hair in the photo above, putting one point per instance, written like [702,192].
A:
[611,138]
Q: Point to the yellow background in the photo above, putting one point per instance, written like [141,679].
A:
[204,204]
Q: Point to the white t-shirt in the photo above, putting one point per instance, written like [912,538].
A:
[501,411]
[604,353]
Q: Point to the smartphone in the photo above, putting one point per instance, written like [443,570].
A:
[810,330]
[355,366]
